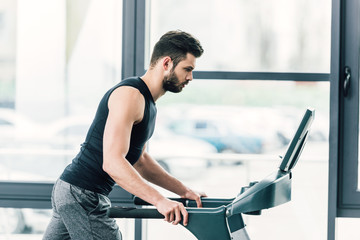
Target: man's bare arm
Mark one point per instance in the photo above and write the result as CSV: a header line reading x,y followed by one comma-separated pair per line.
x,y
154,173
126,107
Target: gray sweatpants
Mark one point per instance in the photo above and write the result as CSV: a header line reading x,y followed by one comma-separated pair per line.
x,y
80,214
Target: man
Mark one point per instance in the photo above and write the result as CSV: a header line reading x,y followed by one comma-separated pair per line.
x,y
115,149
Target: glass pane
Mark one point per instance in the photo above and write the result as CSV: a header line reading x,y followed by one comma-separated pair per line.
x,y
239,35
66,58
217,136
30,224
7,53
347,228
14,222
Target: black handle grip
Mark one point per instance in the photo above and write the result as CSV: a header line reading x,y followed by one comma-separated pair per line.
x,y
130,212
206,202
139,201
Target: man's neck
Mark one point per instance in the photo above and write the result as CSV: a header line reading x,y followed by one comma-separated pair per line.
x,y
153,80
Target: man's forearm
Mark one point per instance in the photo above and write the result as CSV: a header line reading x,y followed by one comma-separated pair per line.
x,y
154,173
128,178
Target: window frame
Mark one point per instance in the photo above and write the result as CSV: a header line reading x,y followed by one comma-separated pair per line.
x,y
349,193
344,195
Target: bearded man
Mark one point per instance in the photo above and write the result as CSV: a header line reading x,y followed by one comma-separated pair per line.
x,y
114,150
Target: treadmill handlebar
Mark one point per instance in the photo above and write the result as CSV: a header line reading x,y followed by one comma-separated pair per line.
x,y
206,202
140,202
151,212
131,212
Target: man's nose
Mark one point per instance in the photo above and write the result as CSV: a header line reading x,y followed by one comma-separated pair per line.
x,y
190,76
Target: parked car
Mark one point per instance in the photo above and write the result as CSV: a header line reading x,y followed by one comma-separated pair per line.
x,y
233,129
218,133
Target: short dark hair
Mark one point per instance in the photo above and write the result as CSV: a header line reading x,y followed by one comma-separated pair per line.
x,y
176,44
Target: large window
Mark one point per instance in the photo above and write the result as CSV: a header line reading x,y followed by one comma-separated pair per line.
x,y
57,58
66,58
237,105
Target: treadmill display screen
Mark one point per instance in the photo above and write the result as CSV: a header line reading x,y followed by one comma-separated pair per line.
x,y
297,143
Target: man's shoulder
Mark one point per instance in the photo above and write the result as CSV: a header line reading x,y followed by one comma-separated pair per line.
x,y
132,81
127,91
132,84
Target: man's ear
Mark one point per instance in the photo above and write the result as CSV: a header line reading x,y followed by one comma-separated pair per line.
x,y
167,63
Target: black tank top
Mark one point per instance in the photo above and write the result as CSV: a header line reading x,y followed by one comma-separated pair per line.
x,y
86,168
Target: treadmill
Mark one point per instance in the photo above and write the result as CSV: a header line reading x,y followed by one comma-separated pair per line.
x,y
221,219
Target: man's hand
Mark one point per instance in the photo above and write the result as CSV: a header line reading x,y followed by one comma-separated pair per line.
x,y
172,211
193,195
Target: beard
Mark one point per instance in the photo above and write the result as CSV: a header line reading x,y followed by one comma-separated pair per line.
x,y
171,83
